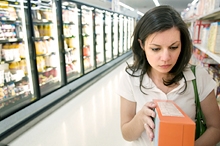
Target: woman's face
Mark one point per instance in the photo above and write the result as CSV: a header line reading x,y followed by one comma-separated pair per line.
x,y
162,49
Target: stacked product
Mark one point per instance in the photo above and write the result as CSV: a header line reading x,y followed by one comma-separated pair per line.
x,y
71,41
214,36
201,8
14,78
88,44
197,33
45,44
99,37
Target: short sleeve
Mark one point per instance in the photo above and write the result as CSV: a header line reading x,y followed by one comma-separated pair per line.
x,y
205,83
125,87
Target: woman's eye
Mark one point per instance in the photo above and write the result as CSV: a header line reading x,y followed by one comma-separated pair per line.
x,y
174,47
155,49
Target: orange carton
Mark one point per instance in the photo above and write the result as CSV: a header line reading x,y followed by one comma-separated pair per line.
x,y
172,126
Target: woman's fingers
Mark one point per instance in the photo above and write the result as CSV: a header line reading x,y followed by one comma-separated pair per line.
x,y
149,130
148,120
149,110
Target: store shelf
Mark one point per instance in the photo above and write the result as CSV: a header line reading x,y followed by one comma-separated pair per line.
x,y
10,40
214,56
212,15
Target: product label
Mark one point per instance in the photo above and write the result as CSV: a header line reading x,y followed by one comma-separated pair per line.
x,y
169,109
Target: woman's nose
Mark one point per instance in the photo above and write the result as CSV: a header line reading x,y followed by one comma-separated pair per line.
x,y
165,56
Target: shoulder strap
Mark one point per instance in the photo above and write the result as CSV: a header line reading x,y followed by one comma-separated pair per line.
x,y
197,101
195,86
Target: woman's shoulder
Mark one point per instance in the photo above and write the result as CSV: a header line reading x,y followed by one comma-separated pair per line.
x,y
200,72
133,76
198,69
133,72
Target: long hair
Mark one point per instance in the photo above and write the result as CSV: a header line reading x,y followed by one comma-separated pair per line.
x,y
160,19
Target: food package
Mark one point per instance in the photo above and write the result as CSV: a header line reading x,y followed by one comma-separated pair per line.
x,y
172,126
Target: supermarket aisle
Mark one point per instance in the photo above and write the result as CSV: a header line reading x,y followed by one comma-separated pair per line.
x,y
89,119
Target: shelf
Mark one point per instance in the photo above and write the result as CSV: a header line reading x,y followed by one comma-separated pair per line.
x,y
43,38
50,81
69,7
8,20
67,37
68,23
42,22
214,56
215,14
47,69
10,40
212,15
48,54
18,95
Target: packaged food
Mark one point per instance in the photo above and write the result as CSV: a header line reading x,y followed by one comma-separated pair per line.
x,y
172,126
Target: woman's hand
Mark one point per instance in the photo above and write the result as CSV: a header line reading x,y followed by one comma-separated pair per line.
x,y
134,124
147,114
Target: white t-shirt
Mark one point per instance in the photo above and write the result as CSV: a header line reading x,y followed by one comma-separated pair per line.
x,y
129,89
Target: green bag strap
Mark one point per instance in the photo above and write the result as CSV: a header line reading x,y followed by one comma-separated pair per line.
x,y
197,101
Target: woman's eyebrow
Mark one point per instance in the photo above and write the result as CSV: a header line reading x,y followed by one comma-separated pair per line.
x,y
170,45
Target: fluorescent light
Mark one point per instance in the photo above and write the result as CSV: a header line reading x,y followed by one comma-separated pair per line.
x,y
140,13
194,2
156,2
65,3
126,6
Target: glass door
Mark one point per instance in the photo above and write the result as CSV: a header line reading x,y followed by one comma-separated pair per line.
x,y
16,86
129,33
121,30
125,34
45,45
115,35
99,37
70,16
132,28
108,36
88,39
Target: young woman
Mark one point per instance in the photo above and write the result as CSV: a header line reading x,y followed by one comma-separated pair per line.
x,y
162,49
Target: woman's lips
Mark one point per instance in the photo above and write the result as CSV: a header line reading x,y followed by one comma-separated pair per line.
x,y
165,66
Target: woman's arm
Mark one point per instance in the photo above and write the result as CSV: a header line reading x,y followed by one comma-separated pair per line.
x,y
212,116
132,123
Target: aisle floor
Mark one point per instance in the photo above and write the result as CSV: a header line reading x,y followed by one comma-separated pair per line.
x,y
92,118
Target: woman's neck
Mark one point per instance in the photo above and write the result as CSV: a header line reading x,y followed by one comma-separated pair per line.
x,y
159,78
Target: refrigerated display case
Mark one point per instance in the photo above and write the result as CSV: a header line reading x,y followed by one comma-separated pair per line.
x,y
125,34
35,80
88,38
115,35
99,37
70,18
108,36
16,86
46,52
120,31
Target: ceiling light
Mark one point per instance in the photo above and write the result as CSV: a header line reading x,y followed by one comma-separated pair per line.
x,y
126,6
156,2
140,13
194,2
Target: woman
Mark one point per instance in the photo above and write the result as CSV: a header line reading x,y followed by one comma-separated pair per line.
x,y
162,49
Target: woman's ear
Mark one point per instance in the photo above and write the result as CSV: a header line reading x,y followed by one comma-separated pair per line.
x,y
141,44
